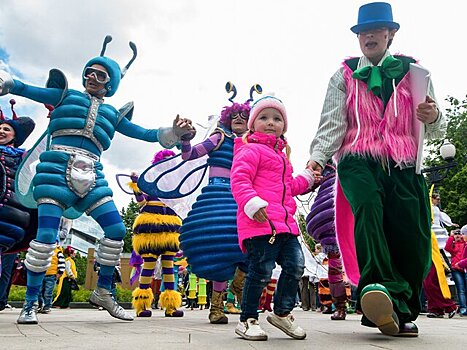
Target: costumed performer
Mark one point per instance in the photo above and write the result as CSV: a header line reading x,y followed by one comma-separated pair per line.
x,y
69,179
435,284
321,226
155,233
208,235
382,207
15,219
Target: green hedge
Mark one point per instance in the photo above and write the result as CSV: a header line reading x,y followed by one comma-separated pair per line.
x,y
17,293
81,265
123,295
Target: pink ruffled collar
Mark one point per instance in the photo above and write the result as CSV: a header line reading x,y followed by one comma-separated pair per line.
x,y
268,140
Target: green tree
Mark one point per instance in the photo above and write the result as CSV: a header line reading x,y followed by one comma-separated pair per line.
x,y
453,188
302,226
81,265
128,217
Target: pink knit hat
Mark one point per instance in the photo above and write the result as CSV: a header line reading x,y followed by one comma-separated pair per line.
x,y
267,102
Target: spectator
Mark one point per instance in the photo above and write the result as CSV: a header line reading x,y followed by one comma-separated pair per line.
x,y
306,284
456,245
63,298
54,272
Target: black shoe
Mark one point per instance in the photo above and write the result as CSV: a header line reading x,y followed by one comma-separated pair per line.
x,y
408,329
434,315
452,313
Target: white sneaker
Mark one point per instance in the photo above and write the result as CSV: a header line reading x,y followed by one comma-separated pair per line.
x,y
250,330
287,325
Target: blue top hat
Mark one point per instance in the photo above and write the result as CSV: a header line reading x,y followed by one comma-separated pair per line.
x,y
374,15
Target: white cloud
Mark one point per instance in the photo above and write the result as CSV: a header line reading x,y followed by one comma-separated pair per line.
x,y
188,50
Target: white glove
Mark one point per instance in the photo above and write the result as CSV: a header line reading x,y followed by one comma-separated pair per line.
x,y
6,83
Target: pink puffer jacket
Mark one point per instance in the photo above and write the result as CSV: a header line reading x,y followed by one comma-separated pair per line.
x,y
261,169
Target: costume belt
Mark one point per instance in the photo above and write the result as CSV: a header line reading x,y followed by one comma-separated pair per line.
x,y
216,180
75,151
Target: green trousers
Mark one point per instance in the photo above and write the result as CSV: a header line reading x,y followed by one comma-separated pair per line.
x,y
392,228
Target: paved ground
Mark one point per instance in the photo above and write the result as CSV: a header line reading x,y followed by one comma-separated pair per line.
x,y
92,329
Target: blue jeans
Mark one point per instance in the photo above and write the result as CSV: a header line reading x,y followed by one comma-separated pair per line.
x,y
262,257
47,290
460,279
8,262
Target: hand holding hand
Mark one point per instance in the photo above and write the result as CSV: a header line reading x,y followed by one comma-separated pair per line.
x,y
313,176
183,128
312,165
427,111
261,215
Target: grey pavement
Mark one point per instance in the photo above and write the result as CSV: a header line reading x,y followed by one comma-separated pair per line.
x,y
93,329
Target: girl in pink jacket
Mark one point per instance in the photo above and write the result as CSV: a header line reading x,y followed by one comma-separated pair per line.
x,y
263,187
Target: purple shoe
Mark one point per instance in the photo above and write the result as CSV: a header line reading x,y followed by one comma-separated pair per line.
x,y
176,313
145,313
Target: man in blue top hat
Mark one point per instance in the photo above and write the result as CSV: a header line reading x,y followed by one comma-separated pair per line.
x,y
382,204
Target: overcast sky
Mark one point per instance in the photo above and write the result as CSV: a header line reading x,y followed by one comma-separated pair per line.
x,y
188,50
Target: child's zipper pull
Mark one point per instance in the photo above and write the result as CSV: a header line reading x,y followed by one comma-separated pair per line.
x,y
273,237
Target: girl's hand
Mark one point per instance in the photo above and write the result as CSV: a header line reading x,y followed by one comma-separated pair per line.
x,y
317,176
261,215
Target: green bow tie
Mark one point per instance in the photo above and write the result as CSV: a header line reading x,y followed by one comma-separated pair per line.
x,y
391,68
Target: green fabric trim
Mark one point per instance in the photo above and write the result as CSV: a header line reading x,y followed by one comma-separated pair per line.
x,y
381,85
391,68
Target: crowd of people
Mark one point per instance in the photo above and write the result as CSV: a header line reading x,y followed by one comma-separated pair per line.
x,y
240,237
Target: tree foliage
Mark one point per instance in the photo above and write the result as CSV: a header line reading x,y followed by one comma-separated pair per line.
x,y
302,226
128,216
453,188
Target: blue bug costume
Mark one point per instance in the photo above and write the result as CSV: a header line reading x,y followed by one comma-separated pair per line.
x,y
208,236
69,178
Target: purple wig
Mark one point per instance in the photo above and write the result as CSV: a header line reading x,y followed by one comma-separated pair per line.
x,y
235,108
165,153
